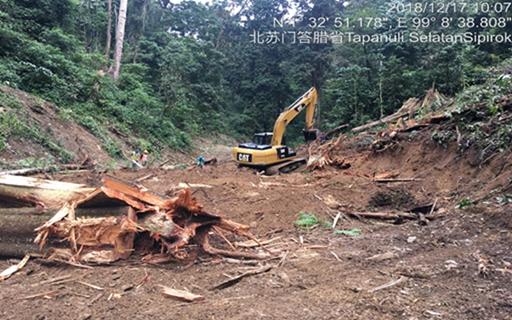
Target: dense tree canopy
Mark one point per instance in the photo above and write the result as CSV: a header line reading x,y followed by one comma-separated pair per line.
x,y
190,68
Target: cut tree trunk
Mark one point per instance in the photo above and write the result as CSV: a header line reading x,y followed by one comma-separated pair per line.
x,y
38,192
384,120
33,171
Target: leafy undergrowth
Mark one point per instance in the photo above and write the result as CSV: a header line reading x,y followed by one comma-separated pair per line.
x,y
307,220
12,126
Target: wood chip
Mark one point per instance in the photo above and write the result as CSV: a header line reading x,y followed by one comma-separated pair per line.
x,y
335,222
96,298
232,281
388,285
46,295
382,256
252,243
7,273
95,287
181,294
56,279
335,256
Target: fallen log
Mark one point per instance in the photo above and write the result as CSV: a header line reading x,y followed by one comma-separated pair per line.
x,y
384,120
212,161
33,171
27,212
414,127
16,190
17,248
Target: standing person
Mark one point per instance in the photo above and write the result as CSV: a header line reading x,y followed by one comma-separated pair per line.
x,y
144,158
135,156
200,161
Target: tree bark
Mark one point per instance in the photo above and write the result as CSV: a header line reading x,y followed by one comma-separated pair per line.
x,y
109,31
118,53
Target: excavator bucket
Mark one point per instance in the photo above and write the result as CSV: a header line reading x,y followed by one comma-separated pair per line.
x,y
310,135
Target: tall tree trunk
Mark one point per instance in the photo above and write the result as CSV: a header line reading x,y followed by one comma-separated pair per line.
x,y
109,31
144,15
118,53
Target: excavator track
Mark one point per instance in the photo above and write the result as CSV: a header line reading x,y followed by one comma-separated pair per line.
x,y
286,167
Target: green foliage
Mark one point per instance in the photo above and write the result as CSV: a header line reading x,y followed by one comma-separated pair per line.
x,y
306,220
355,232
465,203
36,163
9,101
11,125
443,137
65,114
109,145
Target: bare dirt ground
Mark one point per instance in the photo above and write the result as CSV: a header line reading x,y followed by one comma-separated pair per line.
x,y
456,267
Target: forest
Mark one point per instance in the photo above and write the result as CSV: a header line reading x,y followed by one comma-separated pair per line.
x,y
190,68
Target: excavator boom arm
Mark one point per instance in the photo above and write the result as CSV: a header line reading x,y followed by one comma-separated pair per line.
x,y
307,101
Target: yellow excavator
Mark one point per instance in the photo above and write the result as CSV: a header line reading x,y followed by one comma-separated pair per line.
x,y
267,151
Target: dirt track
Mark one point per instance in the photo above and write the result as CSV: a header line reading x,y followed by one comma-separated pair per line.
x,y
448,266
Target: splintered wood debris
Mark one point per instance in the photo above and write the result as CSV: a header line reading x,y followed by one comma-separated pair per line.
x,y
321,156
181,294
165,226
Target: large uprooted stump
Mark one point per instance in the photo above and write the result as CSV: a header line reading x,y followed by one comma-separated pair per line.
x,y
169,225
321,156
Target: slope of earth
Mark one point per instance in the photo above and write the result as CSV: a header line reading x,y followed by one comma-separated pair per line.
x,y
36,133
458,266
34,129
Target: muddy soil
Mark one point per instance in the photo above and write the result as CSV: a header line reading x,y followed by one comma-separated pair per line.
x,y
455,267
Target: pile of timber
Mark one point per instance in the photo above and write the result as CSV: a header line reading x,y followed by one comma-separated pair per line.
x,y
430,105
430,108
102,225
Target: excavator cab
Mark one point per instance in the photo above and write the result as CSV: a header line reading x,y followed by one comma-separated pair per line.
x,y
264,138
261,141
